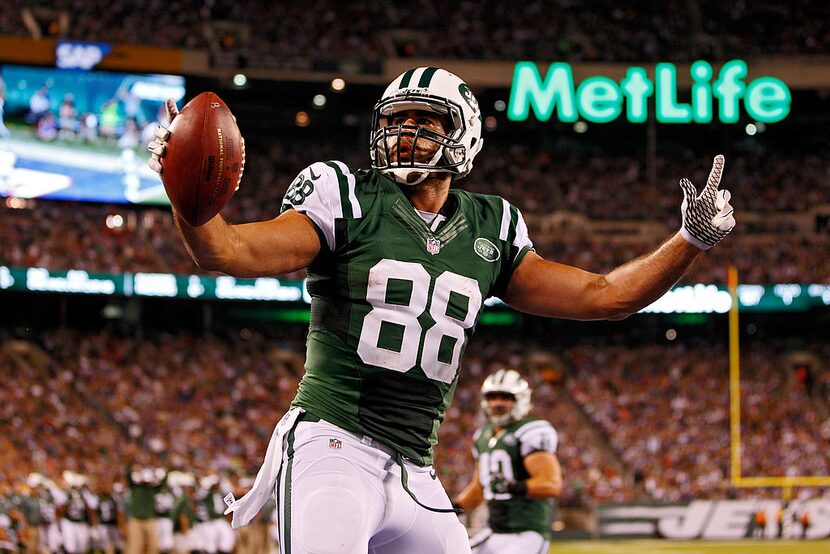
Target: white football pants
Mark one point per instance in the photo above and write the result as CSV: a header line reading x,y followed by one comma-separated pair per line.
x,y
526,542
340,493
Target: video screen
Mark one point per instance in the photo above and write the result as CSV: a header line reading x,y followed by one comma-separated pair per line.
x,y
81,135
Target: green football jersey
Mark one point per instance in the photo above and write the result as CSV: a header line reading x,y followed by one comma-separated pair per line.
x,y
501,456
163,502
395,300
9,527
184,505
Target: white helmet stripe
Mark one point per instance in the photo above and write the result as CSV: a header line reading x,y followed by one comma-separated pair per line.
x,y
406,78
434,90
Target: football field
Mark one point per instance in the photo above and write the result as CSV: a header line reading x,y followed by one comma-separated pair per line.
x,y
690,547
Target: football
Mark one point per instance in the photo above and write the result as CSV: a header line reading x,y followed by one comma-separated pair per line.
x,y
204,160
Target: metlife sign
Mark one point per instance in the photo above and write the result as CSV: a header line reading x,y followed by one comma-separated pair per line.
x,y
598,99
80,55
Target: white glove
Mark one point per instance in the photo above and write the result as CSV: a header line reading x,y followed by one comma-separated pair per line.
x,y
707,217
158,146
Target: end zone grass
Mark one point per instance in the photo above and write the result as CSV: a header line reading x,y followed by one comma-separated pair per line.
x,y
691,547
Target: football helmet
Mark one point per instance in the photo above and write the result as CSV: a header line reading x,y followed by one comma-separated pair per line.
x,y
506,381
433,90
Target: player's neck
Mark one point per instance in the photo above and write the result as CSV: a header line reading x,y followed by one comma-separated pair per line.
x,y
430,195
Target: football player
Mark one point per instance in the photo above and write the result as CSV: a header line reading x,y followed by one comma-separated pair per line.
x,y
144,483
78,514
517,472
214,532
163,503
106,536
399,265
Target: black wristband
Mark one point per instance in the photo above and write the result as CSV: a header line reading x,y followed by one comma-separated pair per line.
x,y
518,488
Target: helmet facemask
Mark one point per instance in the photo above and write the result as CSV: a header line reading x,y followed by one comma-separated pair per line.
x,y
500,419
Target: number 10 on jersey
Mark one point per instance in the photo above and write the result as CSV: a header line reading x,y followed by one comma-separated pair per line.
x,y
403,316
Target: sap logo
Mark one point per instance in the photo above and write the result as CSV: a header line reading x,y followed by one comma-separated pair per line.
x,y
80,55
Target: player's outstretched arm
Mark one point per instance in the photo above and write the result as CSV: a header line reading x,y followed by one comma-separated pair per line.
x,y
284,244
266,248
547,288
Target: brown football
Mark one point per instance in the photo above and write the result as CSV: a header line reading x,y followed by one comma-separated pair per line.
x,y
205,156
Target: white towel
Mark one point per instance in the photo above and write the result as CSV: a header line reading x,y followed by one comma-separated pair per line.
x,y
249,505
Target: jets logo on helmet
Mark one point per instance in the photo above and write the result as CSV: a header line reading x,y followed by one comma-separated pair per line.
x,y
467,94
506,381
434,90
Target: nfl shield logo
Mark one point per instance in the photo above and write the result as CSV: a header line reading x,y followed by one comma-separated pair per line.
x,y
335,444
433,245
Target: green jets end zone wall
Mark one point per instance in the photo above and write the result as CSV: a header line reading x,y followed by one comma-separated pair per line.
x,y
599,99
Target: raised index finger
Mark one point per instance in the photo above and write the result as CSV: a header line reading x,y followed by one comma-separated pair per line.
x,y
172,109
717,170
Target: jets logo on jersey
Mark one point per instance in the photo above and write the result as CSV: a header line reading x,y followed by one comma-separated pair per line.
x,y
486,249
433,245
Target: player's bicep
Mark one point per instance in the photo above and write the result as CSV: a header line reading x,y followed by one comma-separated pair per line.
x,y
543,465
541,287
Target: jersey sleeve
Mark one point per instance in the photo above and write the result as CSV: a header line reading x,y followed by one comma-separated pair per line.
x,y
474,447
91,500
537,436
515,244
325,192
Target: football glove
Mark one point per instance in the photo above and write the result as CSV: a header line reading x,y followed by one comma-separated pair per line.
x,y
499,485
707,217
158,146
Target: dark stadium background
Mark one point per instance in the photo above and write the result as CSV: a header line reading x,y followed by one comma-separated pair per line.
x,y
607,386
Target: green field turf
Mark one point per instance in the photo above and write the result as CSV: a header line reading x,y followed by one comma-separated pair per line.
x,y
693,547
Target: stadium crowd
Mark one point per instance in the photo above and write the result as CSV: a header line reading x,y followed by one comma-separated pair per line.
x,y
645,422
90,404
58,235
61,237
665,411
574,30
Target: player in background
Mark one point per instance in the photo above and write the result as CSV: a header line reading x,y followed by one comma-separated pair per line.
x,y
13,524
183,515
49,532
214,531
163,503
107,537
27,501
399,267
78,515
143,484
517,471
